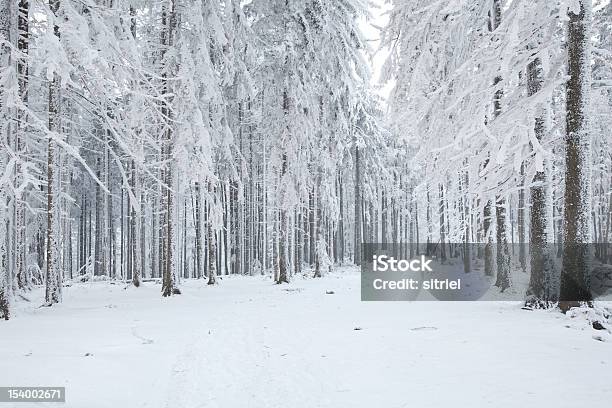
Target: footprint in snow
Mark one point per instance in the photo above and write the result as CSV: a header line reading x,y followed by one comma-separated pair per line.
x,y
143,339
424,328
293,290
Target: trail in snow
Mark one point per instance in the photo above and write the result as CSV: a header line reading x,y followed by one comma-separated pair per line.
x,y
250,343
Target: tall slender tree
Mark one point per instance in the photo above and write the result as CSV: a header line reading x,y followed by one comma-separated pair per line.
x,y
577,233
53,292
5,62
540,292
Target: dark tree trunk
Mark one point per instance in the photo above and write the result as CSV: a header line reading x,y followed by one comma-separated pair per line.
x,y
198,231
98,256
282,237
575,276
54,280
134,239
23,43
358,208
503,255
167,254
521,220
540,292
442,226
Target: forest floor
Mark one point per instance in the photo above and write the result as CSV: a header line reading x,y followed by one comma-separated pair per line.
x,y
250,343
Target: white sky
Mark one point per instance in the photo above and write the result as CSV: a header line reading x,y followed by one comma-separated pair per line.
x,y
372,37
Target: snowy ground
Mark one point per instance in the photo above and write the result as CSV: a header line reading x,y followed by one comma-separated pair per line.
x,y
249,343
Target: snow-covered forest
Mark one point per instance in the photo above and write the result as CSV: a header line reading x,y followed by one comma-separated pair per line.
x,y
513,102
193,139
189,188
182,139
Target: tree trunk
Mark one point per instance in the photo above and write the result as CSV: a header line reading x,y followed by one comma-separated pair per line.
x,y
212,241
575,276
98,246
540,293
317,231
283,238
167,39
283,233
442,226
53,292
384,217
312,236
341,243
521,216
488,239
429,222
467,245
198,231
110,233
142,241
154,237
23,34
5,13
503,255
358,216
134,239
